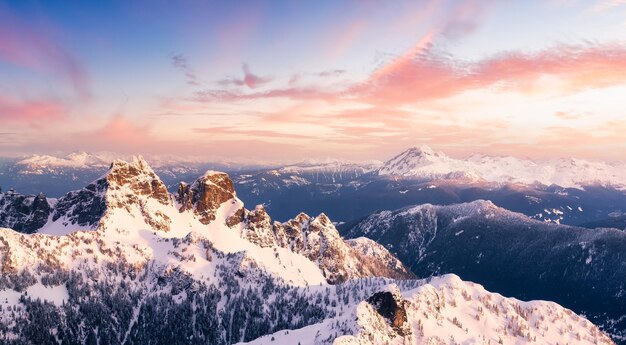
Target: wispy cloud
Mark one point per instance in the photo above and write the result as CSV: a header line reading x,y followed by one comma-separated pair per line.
x,y
251,132
423,73
30,111
180,62
248,79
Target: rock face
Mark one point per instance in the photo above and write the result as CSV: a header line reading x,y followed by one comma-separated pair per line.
x,y
83,207
389,304
23,213
206,195
258,227
139,178
386,264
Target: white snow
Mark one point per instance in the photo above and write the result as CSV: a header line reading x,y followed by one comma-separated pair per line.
x,y
424,163
53,294
447,310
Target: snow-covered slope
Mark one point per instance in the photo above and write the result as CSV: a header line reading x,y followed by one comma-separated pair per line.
x,y
424,163
335,169
445,310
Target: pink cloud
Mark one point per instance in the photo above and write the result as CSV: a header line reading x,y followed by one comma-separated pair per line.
x,y
23,46
578,67
33,112
252,132
423,74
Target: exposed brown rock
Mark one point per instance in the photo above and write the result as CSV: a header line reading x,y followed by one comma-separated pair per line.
x,y
236,218
391,307
139,177
208,193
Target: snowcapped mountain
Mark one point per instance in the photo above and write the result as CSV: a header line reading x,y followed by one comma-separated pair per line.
x,y
579,268
424,163
444,310
346,191
41,164
567,191
131,195
124,261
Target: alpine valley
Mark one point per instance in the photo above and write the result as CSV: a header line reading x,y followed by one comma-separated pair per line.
x,y
125,261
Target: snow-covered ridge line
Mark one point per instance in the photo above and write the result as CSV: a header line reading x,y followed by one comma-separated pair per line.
x,y
130,197
425,163
445,310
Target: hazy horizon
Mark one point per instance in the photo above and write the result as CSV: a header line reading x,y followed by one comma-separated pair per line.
x,y
243,161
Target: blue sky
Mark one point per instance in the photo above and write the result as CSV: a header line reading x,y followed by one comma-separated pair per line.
x,y
283,80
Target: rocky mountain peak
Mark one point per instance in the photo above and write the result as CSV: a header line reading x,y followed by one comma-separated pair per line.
x,y
422,150
302,218
137,176
322,220
206,195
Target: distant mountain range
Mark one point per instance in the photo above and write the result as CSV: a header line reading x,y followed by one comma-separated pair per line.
x,y
567,191
124,261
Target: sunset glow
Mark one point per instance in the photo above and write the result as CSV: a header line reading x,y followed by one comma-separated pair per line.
x,y
279,81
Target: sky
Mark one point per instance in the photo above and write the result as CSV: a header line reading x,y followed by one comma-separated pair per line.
x,y
291,80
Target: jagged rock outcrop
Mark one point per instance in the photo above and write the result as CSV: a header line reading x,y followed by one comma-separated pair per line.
x,y
259,228
317,239
184,197
23,213
138,177
206,195
390,305
384,263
